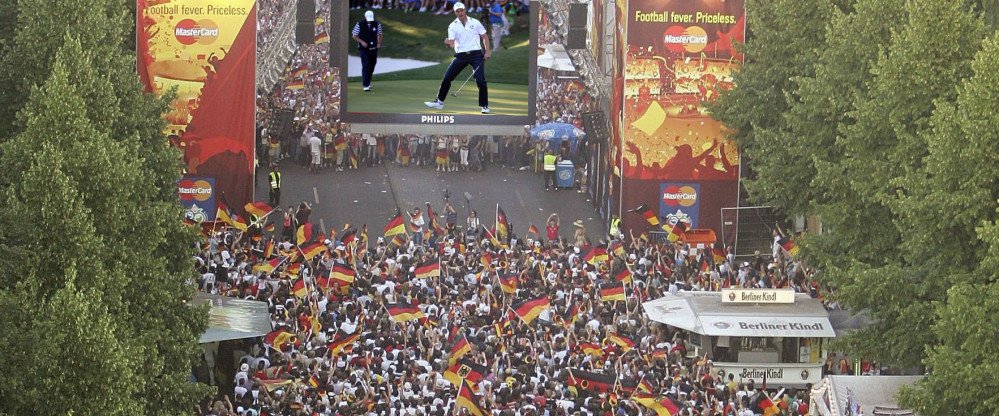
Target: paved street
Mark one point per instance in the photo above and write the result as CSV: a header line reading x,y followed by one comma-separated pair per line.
x,y
372,195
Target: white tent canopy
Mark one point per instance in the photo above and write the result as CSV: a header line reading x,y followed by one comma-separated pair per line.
x,y
556,58
838,395
704,313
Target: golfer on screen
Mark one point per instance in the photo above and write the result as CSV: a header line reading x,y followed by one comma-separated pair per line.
x,y
464,34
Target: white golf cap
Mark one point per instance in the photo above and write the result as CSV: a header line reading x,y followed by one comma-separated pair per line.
x,y
369,16
459,5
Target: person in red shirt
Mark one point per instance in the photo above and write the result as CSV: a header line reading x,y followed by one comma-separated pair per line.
x,y
551,228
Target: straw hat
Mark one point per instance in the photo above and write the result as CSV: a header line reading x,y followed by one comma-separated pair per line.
x,y
578,223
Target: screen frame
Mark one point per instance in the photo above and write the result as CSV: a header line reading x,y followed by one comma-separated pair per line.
x,y
340,45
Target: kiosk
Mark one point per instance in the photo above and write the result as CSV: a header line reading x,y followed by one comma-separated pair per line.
x,y
752,333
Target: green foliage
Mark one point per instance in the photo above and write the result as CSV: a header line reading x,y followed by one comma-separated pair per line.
x,y
785,40
889,138
96,260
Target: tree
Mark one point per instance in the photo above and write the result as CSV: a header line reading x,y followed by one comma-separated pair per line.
x,y
964,141
785,39
89,229
104,29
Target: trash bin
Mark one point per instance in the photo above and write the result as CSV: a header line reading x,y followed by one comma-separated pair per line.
x,y
565,174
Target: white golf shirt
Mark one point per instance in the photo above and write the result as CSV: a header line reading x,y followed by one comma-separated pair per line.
x,y
466,36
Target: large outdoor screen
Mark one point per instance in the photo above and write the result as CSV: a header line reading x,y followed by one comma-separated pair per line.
x,y
413,59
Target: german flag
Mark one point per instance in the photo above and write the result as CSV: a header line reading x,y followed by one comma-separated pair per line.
x,y
341,341
705,267
322,38
435,223
466,398
314,249
313,381
304,234
533,230
269,227
268,266
398,240
662,406
269,249
343,273
570,315
623,276
645,386
590,348
467,371
458,350
401,312
617,248
239,223
611,292
529,310
293,269
789,246
596,254
395,226
677,232
354,159
595,382
278,337
718,255
502,224
349,237
503,327
487,259
300,71
299,289
259,209
430,269
296,85
659,354
646,212
622,341
508,282
273,384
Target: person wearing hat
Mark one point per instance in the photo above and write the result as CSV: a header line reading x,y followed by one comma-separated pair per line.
x,y
368,35
580,234
467,36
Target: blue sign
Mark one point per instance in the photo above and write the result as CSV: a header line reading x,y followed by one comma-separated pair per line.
x,y
680,201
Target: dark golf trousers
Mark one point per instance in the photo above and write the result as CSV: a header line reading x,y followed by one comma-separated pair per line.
x,y
474,58
369,57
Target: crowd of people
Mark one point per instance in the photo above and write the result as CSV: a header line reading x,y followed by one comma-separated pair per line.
x,y
433,315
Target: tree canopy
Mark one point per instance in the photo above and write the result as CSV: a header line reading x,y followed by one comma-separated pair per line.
x,y
887,136
97,262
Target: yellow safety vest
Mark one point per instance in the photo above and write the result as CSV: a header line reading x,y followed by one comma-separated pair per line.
x,y
549,163
275,179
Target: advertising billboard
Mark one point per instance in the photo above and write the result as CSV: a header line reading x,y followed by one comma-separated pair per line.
x,y
676,57
205,52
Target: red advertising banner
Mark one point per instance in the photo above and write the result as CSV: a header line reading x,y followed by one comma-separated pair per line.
x,y
206,50
677,56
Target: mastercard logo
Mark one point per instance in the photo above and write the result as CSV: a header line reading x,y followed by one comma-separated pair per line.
x,y
683,196
679,39
191,190
189,31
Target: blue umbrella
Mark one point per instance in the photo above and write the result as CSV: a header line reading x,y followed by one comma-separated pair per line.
x,y
556,133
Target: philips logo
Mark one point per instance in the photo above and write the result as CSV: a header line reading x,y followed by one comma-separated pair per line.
x,y
437,119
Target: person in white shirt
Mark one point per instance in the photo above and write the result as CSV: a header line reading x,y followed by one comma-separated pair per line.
x,y
467,36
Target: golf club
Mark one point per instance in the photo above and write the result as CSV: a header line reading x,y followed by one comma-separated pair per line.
x,y
455,94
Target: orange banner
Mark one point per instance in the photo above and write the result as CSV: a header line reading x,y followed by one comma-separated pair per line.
x,y
205,50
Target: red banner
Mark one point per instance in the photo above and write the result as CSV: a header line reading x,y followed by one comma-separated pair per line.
x,y
677,55
206,50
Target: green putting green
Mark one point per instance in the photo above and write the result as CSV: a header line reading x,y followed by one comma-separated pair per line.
x,y
407,97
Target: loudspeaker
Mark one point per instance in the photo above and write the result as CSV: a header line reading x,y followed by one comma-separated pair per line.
x,y
595,125
281,123
578,15
576,38
305,33
306,11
